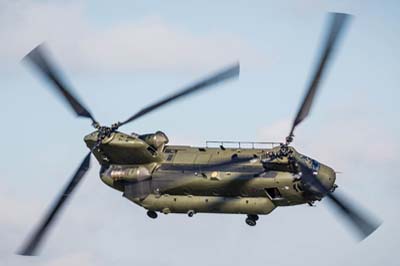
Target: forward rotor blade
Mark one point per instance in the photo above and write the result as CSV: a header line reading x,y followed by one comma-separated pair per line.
x,y
363,225
39,58
30,247
337,25
228,73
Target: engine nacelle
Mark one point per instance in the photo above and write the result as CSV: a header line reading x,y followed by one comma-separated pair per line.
x,y
126,173
156,140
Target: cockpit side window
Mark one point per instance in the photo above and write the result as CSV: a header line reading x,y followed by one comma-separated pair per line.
x,y
315,165
311,163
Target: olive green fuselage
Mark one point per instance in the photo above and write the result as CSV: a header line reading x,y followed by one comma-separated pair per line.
x,y
182,179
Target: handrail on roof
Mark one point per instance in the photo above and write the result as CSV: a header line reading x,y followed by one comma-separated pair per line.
x,y
240,144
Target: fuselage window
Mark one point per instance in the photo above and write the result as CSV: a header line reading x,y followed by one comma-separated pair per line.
x,y
273,193
152,150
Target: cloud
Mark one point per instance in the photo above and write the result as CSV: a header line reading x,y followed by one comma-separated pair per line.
x,y
342,140
148,43
81,259
19,216
275,132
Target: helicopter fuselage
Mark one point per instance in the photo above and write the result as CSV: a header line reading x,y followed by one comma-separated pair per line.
x,y
184,179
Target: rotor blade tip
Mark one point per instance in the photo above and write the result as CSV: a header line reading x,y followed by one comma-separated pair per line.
x,y
26,253
27,250
340,17
340,14
38,49
370,230
234,70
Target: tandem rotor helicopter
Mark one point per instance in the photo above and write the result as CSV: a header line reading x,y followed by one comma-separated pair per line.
x,y
182,179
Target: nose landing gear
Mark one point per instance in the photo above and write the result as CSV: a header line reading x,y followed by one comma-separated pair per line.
x,y
252,219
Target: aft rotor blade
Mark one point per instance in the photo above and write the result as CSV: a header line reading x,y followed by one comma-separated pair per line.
x,y
363,225
31,246
337,25
39,58
223,75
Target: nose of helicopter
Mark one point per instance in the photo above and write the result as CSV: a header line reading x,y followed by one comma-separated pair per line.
x,y
327,176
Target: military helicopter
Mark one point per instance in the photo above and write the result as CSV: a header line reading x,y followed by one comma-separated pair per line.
x,y
164,178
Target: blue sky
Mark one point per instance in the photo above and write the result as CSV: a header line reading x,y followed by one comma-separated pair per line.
x,y
122,56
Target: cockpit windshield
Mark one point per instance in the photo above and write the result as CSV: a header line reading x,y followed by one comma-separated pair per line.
x,y
313,164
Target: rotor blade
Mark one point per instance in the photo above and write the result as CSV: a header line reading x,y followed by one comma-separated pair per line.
x,y
363,225
39,58
228,73
30,247
337,25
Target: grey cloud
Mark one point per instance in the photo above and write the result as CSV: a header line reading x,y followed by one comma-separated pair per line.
x,y
146,44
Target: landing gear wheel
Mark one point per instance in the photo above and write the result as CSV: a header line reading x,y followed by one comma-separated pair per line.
x,y
152,214
253,217
250,222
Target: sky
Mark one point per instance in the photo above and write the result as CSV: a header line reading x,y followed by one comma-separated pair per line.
x,y
120,56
